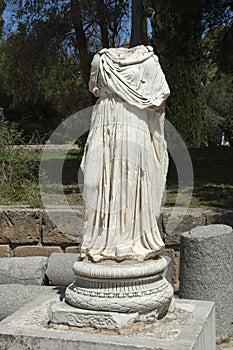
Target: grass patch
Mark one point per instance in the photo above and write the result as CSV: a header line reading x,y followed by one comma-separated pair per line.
x,y
213,179
19,181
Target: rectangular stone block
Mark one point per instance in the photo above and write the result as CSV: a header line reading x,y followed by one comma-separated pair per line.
x,y
190,327
219,216
36,251
62,226
14,296
73,250
62,313
19,226
29,270
4,251
180,223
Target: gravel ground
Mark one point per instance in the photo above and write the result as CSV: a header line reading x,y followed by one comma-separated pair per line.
x,y
227,345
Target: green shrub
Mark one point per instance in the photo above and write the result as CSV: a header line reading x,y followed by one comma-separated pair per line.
x,y
18,168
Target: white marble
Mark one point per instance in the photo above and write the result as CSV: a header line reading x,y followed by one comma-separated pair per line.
x,y
125,287
125,166
62,313
125,160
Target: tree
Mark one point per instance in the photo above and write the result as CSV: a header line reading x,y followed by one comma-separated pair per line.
x,y
76,18
102,15
41,85
45,63
216,13
178,30
176,38
227,129
2,8
219,101
139,24
85,29
217,19
217,68
52,43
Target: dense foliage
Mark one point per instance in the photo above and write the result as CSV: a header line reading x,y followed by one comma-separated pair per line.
x,y
46,48
180,24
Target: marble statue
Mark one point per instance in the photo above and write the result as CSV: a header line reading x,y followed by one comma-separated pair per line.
x,y
125,160
120,274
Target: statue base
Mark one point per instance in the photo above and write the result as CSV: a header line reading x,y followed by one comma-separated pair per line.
x,y
190,326
62,313
127,287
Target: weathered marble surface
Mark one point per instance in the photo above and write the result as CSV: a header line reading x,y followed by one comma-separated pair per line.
x,y
123,287
125,160
125,165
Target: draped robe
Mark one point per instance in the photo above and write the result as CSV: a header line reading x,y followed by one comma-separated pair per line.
x,y
125,158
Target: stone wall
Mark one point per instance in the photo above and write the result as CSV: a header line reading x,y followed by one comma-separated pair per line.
x,y
31,232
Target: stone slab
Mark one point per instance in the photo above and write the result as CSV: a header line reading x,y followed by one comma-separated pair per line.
x,y
62,225
53,235
219,216
63,313
73,249
17,226
30,270
53,225
5,251
25,251
190,327
60,269
191,219
14,296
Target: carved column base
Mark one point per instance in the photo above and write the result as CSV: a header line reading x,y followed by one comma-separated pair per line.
x,y
127,287
62,313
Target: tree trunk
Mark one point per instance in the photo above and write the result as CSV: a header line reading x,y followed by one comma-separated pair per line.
x,y
102,20
84,56
138,21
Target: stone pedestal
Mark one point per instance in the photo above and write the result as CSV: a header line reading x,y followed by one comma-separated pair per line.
x,y
64,314
111,295
189,327
127,287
